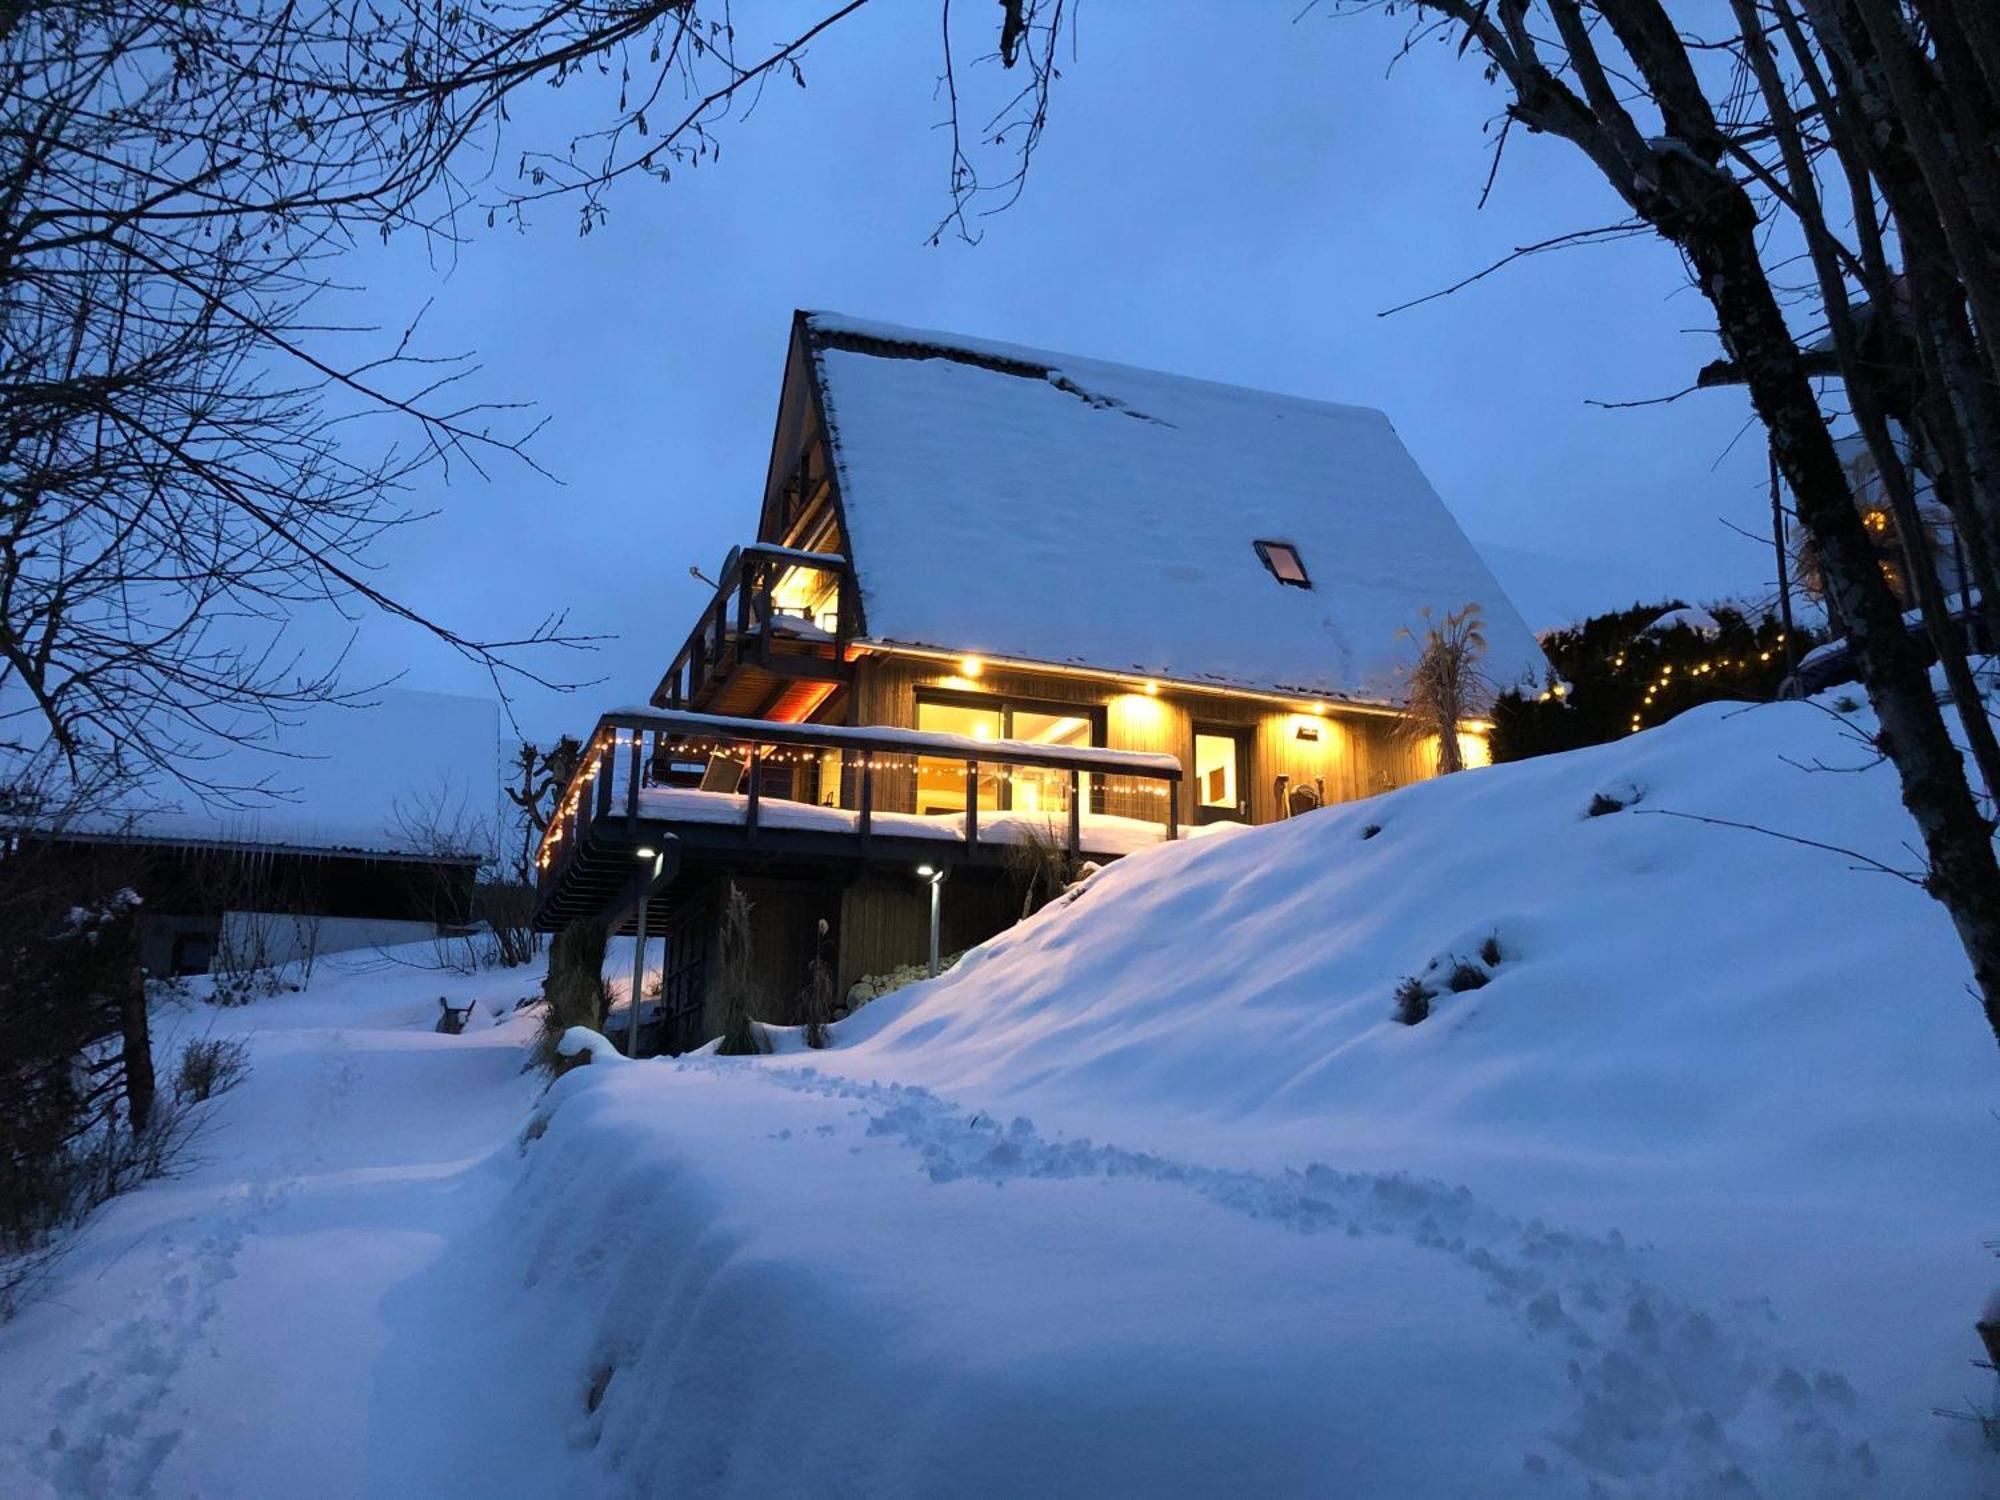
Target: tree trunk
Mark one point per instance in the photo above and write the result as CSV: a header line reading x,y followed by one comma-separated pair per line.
x,y
1964,876
136,1045
1694,202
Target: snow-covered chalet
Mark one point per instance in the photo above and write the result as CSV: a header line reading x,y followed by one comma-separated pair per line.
x,y
998,594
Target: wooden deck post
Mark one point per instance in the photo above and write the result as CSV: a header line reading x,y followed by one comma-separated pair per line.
x,y
1173,809
632,776
755,791
867,799
639,968
971,805
1075,814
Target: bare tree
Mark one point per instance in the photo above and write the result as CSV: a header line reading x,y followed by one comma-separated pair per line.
x,y
183,451
544,774
437,823
182,454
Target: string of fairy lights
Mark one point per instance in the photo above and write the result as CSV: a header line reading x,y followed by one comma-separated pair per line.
x,y
1711,668
604,749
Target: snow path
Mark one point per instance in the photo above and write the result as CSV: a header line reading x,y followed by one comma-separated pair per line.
x,y
1662,1387
105,1433
219,1334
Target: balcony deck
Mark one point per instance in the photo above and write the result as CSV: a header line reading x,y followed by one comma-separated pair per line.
x,y
632,791
750,652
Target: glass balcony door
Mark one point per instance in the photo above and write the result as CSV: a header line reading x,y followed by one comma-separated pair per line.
x,y
941,782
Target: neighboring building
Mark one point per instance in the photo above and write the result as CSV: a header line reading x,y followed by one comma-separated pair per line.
x,y
235,905
992,590
370,834
1938,531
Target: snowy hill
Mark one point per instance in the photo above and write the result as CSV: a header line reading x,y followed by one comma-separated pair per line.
x,y
1722,1117
1150,1195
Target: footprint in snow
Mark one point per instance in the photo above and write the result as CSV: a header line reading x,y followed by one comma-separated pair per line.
x,y
1665,1392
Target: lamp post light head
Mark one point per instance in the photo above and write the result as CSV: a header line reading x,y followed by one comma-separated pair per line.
x,y
642,852
926,872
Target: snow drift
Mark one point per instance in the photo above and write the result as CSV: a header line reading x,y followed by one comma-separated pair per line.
x,y
1151,1194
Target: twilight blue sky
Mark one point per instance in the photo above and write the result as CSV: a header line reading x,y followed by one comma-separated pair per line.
x,y
1235,201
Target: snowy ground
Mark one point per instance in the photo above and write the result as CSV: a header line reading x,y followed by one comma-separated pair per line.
x,y
230,1333
1147,1196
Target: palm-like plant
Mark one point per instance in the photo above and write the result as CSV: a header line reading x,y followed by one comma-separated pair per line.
x,y
1446,686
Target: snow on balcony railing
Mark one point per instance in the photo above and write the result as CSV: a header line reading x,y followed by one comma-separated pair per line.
x,y
1101,833
668,764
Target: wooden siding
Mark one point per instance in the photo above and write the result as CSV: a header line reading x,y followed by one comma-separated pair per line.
x,y
877,922
784,917
885,920
1355,755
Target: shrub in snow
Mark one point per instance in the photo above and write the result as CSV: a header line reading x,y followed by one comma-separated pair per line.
x,y
816,995
1602,803
78,1113
734,1023
1040,865
1413,1000
1490,953
209,1066
875,986
1463,976
574,993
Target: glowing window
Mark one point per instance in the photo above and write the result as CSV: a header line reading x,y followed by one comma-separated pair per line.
x,y
941,782
1216,770
1282,558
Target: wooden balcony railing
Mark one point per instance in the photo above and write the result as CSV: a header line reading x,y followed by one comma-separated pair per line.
x,y
745,623
772,785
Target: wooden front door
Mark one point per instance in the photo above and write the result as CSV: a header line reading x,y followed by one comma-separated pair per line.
x,y
1221,774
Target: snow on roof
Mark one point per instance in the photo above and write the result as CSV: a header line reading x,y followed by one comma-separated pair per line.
x,y
1040,506
341,778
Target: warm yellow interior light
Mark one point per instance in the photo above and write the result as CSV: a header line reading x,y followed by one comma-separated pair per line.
x,y
970,666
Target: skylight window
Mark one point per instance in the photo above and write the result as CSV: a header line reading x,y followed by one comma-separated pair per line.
x,y
1282,558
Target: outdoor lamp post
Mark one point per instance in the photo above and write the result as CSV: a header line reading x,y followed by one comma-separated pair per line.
x,y
936,879
639,948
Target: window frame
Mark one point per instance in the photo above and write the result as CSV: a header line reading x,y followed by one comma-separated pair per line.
x,y
1007,705
1245,738
1267,546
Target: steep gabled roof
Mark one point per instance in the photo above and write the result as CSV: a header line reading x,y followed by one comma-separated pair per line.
x,y
1018,503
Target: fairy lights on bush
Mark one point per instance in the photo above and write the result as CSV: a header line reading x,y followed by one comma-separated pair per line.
x,y
1620,673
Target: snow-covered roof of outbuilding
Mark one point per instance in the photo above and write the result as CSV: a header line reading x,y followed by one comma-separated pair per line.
x,y
406,774
1024,504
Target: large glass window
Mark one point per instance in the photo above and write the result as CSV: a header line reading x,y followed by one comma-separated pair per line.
x,y
1031,788
941,781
